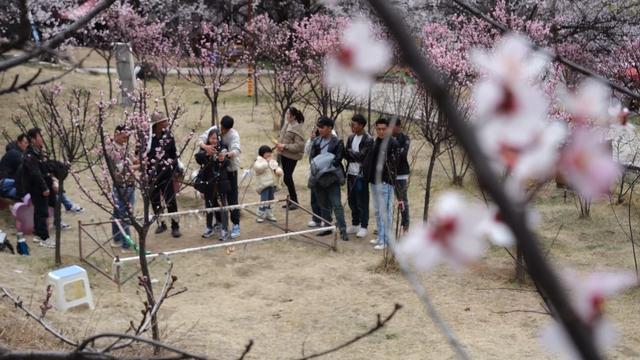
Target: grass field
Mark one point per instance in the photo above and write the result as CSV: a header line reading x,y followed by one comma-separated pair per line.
x,y
293,295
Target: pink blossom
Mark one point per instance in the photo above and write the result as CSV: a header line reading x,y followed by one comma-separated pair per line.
x,y
452,234
512,60
588,295
587,164
358,58
589,105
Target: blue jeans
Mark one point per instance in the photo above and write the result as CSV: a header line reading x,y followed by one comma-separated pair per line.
x,y
383,203
8,188
124,197
329,201
315,207
68,204
266,194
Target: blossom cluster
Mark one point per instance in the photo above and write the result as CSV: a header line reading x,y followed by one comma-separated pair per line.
x,y
528,137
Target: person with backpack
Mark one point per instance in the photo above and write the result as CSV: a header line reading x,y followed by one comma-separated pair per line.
x,y
267,173
213,182
327,174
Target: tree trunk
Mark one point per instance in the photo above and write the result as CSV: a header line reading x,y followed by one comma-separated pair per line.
x,y
109,79
144,269
163,80
427,191
213,106
520,268
57,220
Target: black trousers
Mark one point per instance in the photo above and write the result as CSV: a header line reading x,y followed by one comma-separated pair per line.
x,y
232,196
212,198
288,166
41,213
358,196
165,189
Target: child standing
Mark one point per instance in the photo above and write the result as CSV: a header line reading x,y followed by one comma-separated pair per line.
x,y
213,182
267,173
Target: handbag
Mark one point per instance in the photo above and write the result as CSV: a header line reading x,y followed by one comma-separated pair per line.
x,y
200,183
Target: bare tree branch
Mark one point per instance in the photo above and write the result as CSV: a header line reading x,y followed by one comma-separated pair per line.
x,y
514,214
58,38
561,59
55,332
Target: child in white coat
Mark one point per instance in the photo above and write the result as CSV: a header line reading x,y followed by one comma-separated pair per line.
x,y
267,172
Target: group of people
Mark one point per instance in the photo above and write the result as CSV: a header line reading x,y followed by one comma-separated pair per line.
x,y
379,164
367,164
25,169
217,180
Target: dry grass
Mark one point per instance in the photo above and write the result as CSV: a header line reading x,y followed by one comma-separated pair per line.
x,y
290,294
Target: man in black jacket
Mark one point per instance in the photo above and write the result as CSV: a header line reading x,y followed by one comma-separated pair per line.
x,y
9,165
383,182
328,177
402,178
359,144
162,162
33,177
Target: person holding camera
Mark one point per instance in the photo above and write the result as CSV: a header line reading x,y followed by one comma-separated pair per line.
x,y
213,182
231,139
267,173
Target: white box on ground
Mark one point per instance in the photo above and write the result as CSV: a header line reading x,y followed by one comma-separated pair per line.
x,y
70,288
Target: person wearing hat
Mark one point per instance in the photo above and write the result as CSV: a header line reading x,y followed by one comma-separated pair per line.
x,y
327,174
162,162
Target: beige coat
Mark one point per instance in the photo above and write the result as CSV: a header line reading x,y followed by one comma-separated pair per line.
x,y
292,137
266,172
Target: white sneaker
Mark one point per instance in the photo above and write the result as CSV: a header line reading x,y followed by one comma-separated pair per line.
x,y
76,209
362,233
373,241
353,229
380,247
65,226
208,232
49,243
37,240
270,216
313,224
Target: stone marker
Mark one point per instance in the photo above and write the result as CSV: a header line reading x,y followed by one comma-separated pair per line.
x,y
126,74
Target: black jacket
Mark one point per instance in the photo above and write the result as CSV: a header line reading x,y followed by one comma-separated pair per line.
x,y
162,169
336,147
389,167
364,147
404,142
33,174
10,161
214,172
